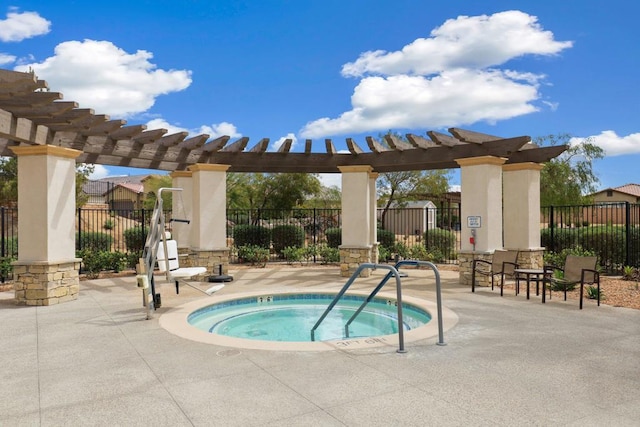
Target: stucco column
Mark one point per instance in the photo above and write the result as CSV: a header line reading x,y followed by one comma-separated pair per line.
x,y
481,210
521,198
356,218
182,205
47,269
373,204
208,236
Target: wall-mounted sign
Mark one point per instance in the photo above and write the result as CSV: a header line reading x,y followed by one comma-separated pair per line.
x,y
474,221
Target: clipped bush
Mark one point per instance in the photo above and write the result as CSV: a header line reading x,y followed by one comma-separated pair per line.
x,y
6,269
442,240
384,254
11,247
134,238
251,235
334,237
284,236
329,255
386,238
253,254
94,241
292,254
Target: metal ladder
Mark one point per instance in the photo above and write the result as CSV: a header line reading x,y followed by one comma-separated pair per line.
x,y
393,272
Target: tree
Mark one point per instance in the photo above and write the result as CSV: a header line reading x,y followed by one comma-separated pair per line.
x,y
283,191
569,178
401,187
152,185
9,181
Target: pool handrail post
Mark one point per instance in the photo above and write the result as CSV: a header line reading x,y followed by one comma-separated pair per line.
x,y
438,293
353,277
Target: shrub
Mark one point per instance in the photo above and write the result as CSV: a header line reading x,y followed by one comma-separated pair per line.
x,y
11,247
251,235
419,252
93,262
558,259
292,254
443,240
6,269
401,250
253,254
309,252
108,224
135,238
334,237
593,291
386,238
287,235
329,255
94,241
384,254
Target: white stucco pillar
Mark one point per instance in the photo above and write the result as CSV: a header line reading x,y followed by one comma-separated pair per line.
x,y
481,202
208,236
356,218
373,205
182,204
47,269
208,226
521,198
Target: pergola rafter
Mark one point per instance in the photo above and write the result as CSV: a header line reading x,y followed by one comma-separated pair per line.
x,y
30,115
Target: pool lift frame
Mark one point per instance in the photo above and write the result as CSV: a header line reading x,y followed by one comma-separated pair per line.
x,y
393,272
146,264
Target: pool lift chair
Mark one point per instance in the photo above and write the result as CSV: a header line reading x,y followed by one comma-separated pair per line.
x,y
157,244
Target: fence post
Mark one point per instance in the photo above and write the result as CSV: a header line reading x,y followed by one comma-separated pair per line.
x,y
2,251
627,232
315,235
552,222
79,240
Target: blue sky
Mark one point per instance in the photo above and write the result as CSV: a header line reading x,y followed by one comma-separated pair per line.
x,y
344,68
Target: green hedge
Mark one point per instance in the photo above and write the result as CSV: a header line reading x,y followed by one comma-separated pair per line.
x,y
11,247
135,238
251,235
284,236
334,237
386,238
442,240
94,241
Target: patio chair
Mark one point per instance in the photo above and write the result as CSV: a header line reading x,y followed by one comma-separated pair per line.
x,y
170,263
503,263
577,270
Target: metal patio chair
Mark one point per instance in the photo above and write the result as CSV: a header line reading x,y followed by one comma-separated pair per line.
x,y
503,263
577,270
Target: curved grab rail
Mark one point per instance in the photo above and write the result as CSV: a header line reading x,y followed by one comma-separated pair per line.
x,y
392,272
384,281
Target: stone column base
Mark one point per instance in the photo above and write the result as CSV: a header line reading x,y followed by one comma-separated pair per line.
x,y
351,257
531,258
211,259
46,283
465,266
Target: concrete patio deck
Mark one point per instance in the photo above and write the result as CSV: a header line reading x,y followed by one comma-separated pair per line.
x,y
508,361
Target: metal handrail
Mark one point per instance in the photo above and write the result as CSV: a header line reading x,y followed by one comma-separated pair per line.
x,y
392,272
387,277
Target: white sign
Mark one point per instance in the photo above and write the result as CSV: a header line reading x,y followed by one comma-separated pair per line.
x,y
474,221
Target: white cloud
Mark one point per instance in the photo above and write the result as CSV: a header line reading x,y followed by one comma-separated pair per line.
x,y
277,144
465,42
612,144
219,129
214,130
99,172
448,79
99,75
6,58
330,179
22,25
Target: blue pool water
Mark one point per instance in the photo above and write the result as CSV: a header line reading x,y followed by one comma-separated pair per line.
x,y
291,317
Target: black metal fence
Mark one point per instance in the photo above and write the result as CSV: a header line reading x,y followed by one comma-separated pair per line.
x,y
611,231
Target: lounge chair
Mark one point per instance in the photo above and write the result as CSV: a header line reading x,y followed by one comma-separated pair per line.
x,y
577,269
503,262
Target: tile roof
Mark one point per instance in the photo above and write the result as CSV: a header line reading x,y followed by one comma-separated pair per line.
x,y
632,189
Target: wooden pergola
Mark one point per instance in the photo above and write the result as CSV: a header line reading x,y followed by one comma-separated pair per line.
x,y
31,115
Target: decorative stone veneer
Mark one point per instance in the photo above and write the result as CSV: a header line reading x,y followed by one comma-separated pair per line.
x,y
352,257
211,259
527,258
531,258
45,283
465,265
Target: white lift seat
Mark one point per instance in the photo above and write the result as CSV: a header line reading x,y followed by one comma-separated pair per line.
x,y
175,271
